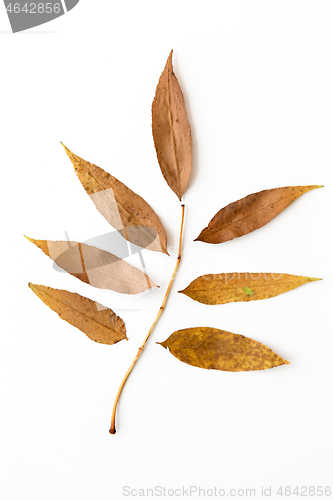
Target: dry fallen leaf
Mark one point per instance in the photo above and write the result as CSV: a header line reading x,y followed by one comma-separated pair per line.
x,y
215,349
135,220
236,287
250,213
97,322
95,267
125,210
171,131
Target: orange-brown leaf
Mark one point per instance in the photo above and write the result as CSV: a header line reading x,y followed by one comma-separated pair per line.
x,y
96,321
250,213
235,287
215,349
125,210
172,131
95,266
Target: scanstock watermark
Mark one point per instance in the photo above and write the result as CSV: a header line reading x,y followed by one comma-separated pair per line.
x,y
199,492
24,15
187,491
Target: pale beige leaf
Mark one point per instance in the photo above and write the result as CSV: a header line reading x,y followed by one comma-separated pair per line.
x,y
172,131
94,266
125,210
97,322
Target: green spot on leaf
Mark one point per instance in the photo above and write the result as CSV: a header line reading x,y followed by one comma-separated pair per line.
x,y
248,291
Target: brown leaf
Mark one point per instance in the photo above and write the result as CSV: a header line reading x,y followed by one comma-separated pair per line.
x,y
171,131
250,213
125,210
215,349
97,322
236,287
95,267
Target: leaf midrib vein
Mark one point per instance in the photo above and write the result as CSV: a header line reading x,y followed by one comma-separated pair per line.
x,y
122,206
214,349
100,267
240,286
119,277
172,132
250,215
85,315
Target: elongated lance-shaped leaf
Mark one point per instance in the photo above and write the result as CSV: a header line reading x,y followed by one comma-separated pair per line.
x,y
250,213
235,287
125,210
98,322
95,266
215,349
172,131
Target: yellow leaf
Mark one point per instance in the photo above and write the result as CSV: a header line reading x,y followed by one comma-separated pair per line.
x,y
235,287
215,349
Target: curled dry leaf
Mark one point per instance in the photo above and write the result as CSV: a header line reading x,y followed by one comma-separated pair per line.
x,y
235,287
125,210
215,349
96,321
171,131
250,213
95,267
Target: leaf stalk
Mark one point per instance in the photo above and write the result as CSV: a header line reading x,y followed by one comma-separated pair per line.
x,y
114,410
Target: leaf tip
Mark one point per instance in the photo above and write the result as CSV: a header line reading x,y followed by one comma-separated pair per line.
x,y
151,284
29,239
201,236
68,151
162,344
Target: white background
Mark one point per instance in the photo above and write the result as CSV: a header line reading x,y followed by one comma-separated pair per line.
x,y
257,80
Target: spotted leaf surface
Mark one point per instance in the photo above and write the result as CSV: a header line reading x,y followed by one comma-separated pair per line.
x,y
215,349
235,287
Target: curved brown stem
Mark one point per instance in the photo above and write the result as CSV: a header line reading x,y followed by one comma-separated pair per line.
x,y
113,417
